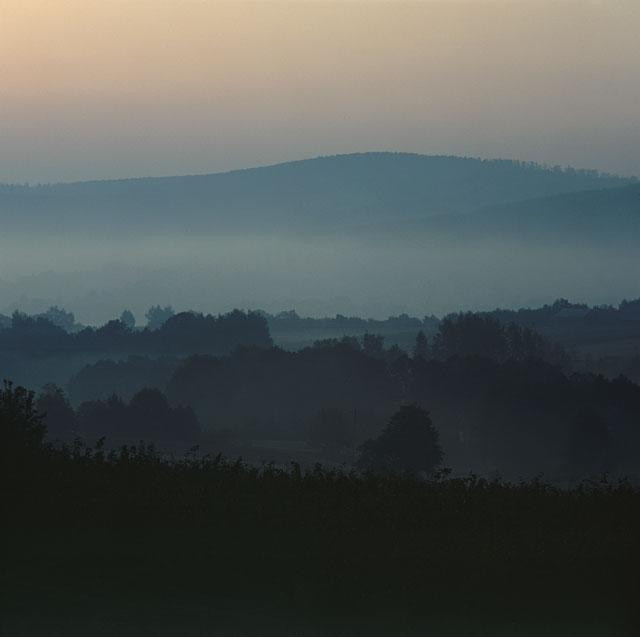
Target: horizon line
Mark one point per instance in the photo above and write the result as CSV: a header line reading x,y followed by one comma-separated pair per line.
x,y
534,164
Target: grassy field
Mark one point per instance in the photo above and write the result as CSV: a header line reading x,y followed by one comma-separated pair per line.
x,y
132,544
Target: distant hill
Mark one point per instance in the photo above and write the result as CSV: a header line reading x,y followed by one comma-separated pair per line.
x,y
322,193
592,215
601,216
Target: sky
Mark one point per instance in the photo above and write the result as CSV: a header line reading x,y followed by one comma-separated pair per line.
x,y
95,89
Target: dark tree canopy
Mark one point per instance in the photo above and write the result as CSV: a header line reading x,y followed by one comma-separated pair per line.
x,y
421,348
184,333
148,416
56,411
128,319
21,426
157,316
408,443
471,334
60,317
373,345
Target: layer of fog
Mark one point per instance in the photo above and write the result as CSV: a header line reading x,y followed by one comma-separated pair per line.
x,y
97,279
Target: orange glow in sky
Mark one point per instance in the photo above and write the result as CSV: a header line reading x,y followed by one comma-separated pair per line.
x,y
100,88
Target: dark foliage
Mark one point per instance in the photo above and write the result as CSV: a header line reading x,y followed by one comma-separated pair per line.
x,y
472,334
124,378
317,541
510,416
128,319
58,415
421,348
157,316
408,443
148,416
276,394
21,426
185,333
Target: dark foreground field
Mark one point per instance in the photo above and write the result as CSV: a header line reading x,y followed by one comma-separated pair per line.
x,y
130,544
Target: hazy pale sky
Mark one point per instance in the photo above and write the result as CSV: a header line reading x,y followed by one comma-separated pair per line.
x,y
119,88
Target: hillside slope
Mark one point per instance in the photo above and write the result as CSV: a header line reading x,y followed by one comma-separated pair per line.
x,y
596,216
322,193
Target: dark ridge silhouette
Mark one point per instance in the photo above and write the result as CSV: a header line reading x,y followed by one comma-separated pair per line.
x,y
305,195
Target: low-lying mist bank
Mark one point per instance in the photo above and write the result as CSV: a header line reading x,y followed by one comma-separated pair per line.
x,y
352,275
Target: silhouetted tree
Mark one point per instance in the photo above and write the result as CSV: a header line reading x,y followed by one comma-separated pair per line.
x,y
21,426
128,319
57,413
185,333
156,316
148,416
408,443
60,317
470,334
421,347
373,345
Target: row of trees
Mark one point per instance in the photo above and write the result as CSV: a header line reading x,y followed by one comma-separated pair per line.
x,y
184,333
156,316
147,416
500,395
516,417
464,334
472,334
408,443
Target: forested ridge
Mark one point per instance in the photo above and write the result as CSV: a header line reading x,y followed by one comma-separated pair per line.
x,y
304,195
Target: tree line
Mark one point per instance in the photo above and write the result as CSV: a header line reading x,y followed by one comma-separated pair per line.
x,y
183,333
503,399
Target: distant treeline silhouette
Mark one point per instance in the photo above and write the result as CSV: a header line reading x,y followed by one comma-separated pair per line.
x,y
590,335
184,333
503,399
566,321
147,416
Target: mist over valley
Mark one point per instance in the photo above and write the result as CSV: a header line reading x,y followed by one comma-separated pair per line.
x,y
368,235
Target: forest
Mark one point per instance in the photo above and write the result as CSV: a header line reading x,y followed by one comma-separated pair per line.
x,y
507,401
